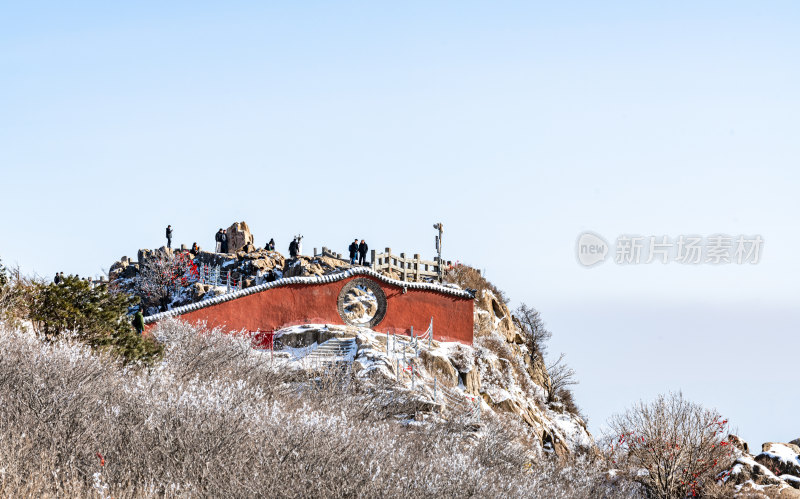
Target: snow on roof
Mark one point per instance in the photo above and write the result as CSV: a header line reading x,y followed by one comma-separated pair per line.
x,y
317,279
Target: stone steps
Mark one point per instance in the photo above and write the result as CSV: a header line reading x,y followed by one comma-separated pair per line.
x,y
335,350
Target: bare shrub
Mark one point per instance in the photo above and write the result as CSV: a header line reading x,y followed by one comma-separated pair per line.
x,y
462,359
16,295
216,418
514,360
470,278
483,324
568,399
671,446
561,377
530,322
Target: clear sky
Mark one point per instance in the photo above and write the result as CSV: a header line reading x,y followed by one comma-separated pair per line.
x,y
518,125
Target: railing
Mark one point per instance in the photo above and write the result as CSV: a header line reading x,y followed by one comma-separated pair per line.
x,y
326,252
467,404
215,276
408,269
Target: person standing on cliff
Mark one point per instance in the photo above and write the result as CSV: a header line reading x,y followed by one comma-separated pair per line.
x,y
224,239
362,253
293,248
353,251
218,239
270,245
169,237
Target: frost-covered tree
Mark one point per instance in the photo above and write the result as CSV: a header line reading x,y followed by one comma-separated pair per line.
x,y
672,446
529,320
160,276
561,377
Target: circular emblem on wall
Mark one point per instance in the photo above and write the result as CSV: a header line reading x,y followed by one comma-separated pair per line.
x,y
362,303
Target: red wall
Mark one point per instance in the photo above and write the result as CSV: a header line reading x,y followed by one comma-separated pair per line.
x,y
317,304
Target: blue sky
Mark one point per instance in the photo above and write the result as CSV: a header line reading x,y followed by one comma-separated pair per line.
x,y
517,125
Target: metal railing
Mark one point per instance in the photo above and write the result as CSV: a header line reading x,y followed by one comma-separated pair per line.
x,y
468,404
215,276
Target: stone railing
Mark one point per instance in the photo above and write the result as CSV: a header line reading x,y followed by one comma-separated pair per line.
x,y
331,254
407,269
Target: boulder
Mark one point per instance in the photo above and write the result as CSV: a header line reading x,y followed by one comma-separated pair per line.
x,y
296,268
332,264
145,254
537,370
745,470
791,480
739,443
308,266
118,268
781,459
489,302
130,271
239,236
213,259
472,382
198,290
440,367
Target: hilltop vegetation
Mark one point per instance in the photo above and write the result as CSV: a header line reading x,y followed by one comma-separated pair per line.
x,y
213,419
90,408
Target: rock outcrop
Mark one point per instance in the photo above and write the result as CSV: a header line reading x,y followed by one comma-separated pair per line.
x,y
238,236
775,472
451,380
781,459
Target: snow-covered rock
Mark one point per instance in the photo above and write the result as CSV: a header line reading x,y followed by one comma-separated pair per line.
x,y
773,472
452,380
784,459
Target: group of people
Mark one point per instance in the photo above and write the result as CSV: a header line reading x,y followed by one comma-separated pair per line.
x,y
358,251
59,278
221,238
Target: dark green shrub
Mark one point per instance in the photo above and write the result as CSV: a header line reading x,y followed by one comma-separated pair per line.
x,y
91,314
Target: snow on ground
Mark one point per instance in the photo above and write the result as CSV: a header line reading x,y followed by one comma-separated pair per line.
x,y
570,429
390,358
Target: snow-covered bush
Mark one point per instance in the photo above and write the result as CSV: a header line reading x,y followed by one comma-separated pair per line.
x,y
672,446
214,418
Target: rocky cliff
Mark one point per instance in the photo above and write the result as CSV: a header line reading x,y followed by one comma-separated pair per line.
x,y
774,472
500,369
